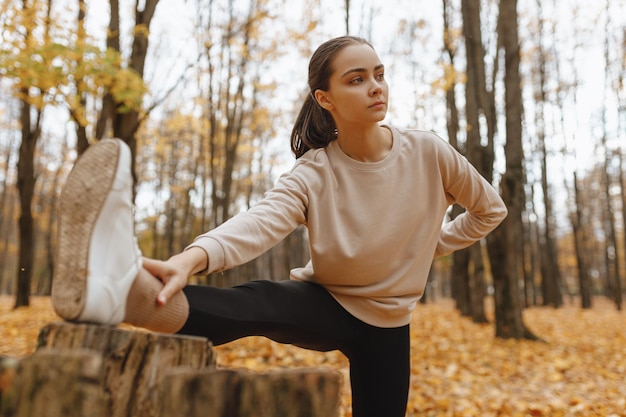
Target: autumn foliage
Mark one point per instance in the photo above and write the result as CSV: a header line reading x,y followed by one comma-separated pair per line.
x,y
459,368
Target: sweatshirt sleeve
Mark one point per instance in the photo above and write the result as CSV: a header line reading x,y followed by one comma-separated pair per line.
x,y
249,234
464,185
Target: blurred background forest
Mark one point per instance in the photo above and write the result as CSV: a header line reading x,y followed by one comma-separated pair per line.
x,y
531,91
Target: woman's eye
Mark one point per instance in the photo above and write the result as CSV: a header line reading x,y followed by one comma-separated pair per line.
x,y
356,80
381,76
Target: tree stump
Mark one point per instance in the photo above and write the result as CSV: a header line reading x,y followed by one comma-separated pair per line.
x,y
8,366
240,393
134,361
56,383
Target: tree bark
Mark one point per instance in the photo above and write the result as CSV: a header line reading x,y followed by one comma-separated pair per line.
x,y
82,143
57,383
134,361
622,185
477,100
125,124
26,185
8,369
580,246
477,284
612,248
550,274
504,242
7,207
460,259
283,393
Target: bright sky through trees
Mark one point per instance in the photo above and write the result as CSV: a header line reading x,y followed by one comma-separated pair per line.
x,y
173,32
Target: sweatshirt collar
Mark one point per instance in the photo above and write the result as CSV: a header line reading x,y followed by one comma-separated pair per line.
x,y
334,149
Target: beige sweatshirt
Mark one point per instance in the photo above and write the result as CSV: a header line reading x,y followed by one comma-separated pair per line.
x,y
373,228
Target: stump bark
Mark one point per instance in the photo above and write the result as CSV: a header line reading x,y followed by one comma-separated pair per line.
x,y
240,393
56,383
134,362
8,367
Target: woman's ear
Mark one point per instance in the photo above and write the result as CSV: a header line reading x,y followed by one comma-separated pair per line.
x,y
323,100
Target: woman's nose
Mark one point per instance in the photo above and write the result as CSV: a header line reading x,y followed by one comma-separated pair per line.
x,y
376,89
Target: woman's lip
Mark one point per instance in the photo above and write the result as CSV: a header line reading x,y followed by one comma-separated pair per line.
x,y
378,104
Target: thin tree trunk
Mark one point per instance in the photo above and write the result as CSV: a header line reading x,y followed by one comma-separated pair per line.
x,y
621,128
6,221
46,280
622,181
31,131
6,276
347,19
26,185
477,284
612,256
611,248
460,277
125,125
476,102
580,246
460,259
550,275
82,142
104,122
530,256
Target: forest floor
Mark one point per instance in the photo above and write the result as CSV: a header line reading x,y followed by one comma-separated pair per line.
x,y
458,368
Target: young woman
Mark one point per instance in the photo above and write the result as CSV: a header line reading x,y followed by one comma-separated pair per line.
x,y
373,198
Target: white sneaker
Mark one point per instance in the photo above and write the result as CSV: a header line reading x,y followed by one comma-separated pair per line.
x,y
97,256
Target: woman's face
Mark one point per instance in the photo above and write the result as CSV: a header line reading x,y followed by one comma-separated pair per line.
x,y
357,92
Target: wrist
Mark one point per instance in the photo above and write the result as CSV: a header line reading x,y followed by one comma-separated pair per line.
x,y
192,260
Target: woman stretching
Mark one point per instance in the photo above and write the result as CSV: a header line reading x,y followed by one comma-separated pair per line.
x,y
372,197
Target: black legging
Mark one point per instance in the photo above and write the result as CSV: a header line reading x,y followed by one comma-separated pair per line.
x,y
306,315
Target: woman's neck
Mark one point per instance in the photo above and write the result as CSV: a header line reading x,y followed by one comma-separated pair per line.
x,y
371,144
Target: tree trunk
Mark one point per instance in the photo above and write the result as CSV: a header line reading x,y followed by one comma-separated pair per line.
x,y
505,240
7,208
477,284
477,102
612,248
45,279
622,184
461,281
460,259
135,362
82,143
580,246
8,369
7,281
283,393
125,124
26,185
57,383
452,119
550,274
347,16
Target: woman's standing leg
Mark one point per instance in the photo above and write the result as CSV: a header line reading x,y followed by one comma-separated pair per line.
x,y
380,372
306,315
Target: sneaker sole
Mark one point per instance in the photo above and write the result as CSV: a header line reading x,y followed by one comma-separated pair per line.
x,y
80,203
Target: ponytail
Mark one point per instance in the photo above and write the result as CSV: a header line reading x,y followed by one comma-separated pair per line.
x,y
314,128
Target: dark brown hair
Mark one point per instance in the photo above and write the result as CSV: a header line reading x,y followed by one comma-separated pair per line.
x,y
314,127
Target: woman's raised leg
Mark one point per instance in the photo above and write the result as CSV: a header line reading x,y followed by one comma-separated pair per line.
x,y
98,274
